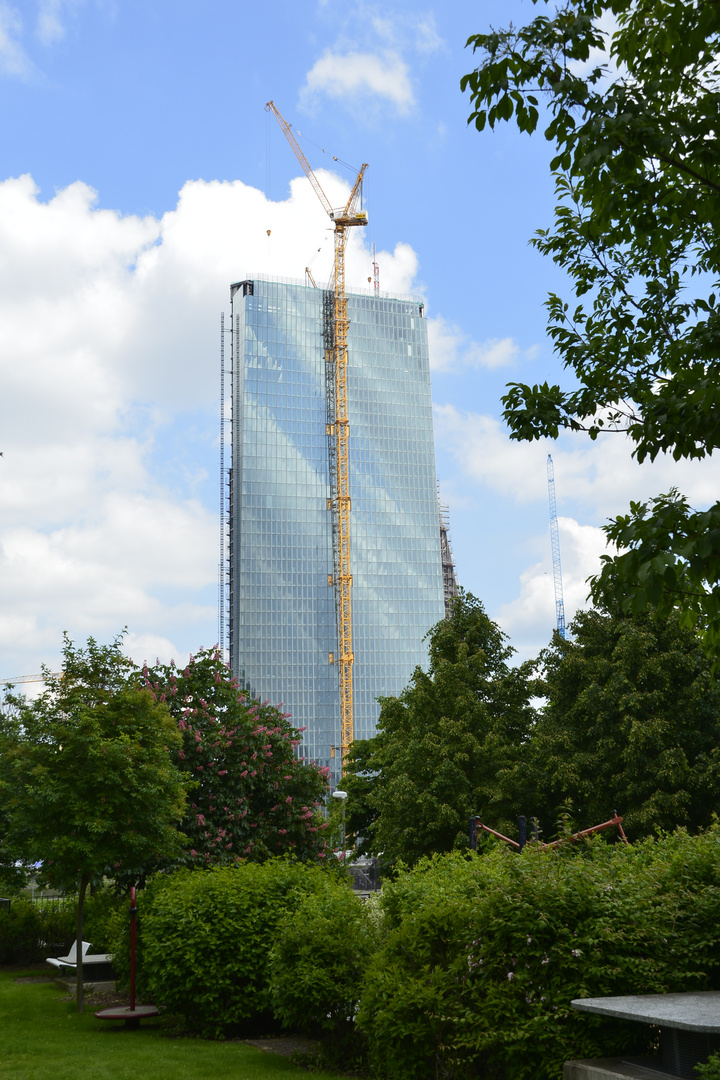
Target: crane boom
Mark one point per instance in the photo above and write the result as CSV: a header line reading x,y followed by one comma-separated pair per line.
x,y
338,429
287,130
555,542
30,678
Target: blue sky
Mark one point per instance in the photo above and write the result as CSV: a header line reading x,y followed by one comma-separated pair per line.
x,y
140,175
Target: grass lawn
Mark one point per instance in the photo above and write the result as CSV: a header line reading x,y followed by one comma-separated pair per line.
x,y
42,1037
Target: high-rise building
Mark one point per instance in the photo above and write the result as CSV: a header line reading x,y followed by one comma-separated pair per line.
x,y
282,614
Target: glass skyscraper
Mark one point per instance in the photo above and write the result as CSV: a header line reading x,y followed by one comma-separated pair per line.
x,y
282,605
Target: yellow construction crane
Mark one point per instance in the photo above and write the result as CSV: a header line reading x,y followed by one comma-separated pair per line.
x,y
338,430
311,280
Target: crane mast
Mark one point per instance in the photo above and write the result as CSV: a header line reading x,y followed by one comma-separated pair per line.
x,y
338,429
555,542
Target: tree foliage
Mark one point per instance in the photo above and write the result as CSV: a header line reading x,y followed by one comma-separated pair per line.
x,y
86,777
442,743
251,796
632,723
637,229
483,955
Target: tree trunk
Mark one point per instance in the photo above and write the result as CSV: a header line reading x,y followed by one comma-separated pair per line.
x,y
79,990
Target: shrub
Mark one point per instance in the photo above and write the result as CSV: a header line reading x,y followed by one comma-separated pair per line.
x,y
710,1070
484,954
318,963
206,935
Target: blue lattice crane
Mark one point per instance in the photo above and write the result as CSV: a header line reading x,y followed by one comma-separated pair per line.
x,y
555,541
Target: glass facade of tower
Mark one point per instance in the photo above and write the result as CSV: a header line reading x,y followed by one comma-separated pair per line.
x,y
282,604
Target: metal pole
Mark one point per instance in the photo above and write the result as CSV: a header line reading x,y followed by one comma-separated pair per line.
x,y
133,913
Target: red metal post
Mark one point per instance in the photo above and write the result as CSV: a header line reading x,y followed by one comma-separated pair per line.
x,y
498,834
133,913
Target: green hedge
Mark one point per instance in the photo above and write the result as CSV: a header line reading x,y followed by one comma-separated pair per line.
x,y
485,953
318,963
204,940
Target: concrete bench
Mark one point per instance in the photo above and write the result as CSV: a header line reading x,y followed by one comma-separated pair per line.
x,y
97,967
689,1032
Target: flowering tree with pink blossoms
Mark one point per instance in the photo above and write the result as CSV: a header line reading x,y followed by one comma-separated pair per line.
x,y
253,796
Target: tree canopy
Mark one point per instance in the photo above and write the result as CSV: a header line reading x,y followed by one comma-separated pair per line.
x,y
442,742
631,723
637,228
86,778
251,796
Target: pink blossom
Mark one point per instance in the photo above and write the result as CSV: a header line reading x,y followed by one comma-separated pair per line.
x,y
282,831
222,772
288,799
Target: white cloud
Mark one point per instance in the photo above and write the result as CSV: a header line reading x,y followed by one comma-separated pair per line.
x,y
600,476
359,76
373,60
493,353
452,350
108,331
427,39
14,60
528,620
50,27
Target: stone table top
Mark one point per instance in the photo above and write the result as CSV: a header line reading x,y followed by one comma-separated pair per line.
x,y
685,1012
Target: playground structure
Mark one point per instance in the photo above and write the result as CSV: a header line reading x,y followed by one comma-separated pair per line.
x,y
476,823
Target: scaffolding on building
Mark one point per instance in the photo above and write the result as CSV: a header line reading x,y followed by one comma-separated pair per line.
x,y
224,575
450,586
